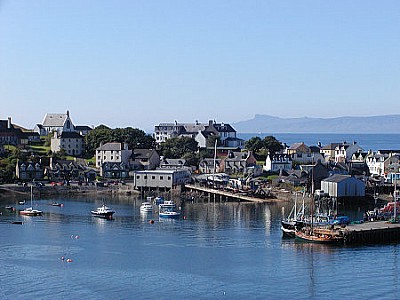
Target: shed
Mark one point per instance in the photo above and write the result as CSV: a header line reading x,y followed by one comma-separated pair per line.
x,y
340,186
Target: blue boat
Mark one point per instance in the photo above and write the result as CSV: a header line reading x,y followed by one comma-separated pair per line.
x,y
167,209
159,200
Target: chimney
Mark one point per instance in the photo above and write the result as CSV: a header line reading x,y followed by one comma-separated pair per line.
x,y
68,113
9,123
210,123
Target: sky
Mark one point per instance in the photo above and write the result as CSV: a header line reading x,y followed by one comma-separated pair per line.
x,y
139,63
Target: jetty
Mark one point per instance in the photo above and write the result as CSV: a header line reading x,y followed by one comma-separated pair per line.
x,y
371,233
219,194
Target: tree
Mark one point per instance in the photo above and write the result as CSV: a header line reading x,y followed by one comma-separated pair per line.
x,y
211,141
254,144
135,138
271,144
177,147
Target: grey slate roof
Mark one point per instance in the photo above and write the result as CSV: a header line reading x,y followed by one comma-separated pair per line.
x,y
111,147
54,120
330,146
337,178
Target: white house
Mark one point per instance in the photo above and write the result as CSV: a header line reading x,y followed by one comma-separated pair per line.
x,y
277,162
55,122
344,151
376,163
113,153
339,186
200,132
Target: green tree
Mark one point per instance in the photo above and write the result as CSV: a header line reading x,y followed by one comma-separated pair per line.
x,y
271,144
254,144
178,147
135,138
211,141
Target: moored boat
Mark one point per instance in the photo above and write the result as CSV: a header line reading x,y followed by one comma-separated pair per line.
x,y
103,212
146,207
320,235
168,210
30,211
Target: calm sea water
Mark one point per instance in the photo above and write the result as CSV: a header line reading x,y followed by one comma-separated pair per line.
x,y
366,141
218,251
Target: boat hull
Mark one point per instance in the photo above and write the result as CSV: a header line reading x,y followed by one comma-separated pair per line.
x,y
170,215
32,213
319,238
107,215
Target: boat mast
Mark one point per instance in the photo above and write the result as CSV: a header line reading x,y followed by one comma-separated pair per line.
x,y
32,196
215,161
395,200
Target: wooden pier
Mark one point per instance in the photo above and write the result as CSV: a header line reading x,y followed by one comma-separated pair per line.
x,y
228,195
371,233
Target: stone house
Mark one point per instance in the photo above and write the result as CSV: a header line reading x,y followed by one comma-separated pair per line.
x,y
60,170
29,171
144,159
70,141
328,151
206,166
114,170
114,153
237,162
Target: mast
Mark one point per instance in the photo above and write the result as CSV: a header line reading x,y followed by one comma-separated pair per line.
x,y
32,196
215,161
395,199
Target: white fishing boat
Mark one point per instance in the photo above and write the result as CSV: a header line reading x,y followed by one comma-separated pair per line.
x,y
146,207
103,212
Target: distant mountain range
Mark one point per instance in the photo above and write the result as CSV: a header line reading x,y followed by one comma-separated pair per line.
x,y
270,124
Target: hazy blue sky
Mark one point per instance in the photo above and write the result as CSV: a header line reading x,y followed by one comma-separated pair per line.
x,y
138,63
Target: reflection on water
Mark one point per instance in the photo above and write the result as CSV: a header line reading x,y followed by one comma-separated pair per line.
x,y
217,249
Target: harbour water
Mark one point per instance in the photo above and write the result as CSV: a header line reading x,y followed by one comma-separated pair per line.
x,y
224,250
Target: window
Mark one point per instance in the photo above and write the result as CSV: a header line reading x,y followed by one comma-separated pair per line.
x,y
153,177
161,177
169,177
145,177
137,177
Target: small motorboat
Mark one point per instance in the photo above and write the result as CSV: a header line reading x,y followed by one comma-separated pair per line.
x,y
168,210
103,212
146,207
57,204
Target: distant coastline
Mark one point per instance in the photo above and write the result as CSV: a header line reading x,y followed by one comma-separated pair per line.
x,y
343,125
368,141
